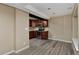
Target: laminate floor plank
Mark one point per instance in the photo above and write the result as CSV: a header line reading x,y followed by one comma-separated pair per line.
x,y
47,47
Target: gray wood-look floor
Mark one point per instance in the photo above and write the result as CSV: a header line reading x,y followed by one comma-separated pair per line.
x,y
47,47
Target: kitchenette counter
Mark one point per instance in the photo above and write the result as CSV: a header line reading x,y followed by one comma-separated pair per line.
x,y
33,33
36,29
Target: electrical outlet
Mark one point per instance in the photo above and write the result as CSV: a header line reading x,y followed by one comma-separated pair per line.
x,y
26,28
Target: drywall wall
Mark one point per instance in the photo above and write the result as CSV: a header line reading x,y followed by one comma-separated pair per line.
x,y
6,28
22,29
75,40
75,34
78,22
14,29
60,28
75,27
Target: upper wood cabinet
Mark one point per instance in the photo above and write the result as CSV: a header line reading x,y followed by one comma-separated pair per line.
x,y
33,23
45,23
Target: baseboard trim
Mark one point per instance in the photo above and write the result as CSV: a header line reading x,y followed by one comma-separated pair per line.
x,y
9,52
21,49
60,40
75,43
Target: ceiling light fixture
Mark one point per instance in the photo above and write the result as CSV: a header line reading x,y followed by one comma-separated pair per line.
x,y
53,13
49,8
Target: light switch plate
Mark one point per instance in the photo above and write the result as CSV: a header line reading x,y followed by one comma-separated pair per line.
x,y
26,28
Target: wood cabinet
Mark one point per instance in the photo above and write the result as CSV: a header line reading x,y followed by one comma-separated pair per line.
x,y
32,34
45,23
33,23
44,35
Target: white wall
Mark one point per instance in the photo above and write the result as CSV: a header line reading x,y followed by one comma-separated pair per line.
x,y
13,35
75,31
6,28
22,35
75,27
60,28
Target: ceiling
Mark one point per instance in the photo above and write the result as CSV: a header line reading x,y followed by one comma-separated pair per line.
x,y
45,10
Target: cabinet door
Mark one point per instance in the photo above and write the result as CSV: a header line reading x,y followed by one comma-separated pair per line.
x,y
36,23
33,23
45,23
30,23
32,34
44,35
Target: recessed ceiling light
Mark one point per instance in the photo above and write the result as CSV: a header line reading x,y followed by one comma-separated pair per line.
x,y
49,8
54,13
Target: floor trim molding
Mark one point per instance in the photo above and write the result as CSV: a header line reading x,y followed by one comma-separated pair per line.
x,y
21,49
9,52
60,40
75,44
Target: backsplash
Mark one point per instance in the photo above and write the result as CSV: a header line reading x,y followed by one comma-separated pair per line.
x,y
36,28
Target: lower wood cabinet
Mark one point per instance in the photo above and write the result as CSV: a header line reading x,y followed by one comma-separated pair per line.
x,y
44,35
32,34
